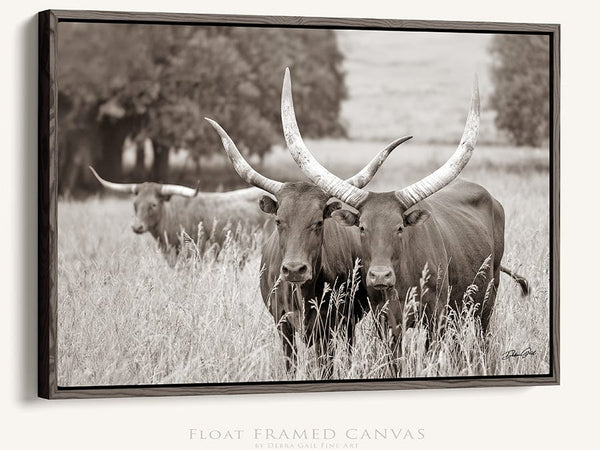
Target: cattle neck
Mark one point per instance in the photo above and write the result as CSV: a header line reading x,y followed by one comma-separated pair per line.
x,y
160,230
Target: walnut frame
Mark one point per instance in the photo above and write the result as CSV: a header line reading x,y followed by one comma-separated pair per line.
x,y
48,197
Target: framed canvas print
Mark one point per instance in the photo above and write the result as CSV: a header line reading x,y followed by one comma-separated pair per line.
x,y
247,204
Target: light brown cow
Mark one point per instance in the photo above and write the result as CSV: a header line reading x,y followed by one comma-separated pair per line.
x,y
166,210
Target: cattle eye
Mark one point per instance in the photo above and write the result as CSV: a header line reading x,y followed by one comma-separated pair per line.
x,y
319,224
361,228
153,205
277,222
400,229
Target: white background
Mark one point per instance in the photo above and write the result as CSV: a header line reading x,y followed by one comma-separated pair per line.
x,y
541,417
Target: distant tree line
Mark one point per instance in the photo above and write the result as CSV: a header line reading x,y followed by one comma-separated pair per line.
x,y
521,77
160,81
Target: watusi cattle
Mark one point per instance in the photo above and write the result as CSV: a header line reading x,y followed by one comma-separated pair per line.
x,y
165,211
306,252
454,227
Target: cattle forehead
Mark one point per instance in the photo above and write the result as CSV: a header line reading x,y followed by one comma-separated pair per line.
x,y
301,197
381,205
145,189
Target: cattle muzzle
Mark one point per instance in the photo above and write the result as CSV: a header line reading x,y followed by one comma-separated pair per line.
x,y
138,228
381,277
295,272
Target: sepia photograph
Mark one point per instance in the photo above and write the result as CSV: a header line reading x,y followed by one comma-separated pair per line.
x,y
285,204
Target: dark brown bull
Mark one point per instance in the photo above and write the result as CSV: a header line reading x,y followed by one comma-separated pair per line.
x,y
305,252
452,226
166,210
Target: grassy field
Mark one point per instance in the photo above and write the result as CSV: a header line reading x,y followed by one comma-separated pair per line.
x,y
126,317
415,83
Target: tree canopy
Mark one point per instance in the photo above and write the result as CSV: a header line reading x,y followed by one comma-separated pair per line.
x,y
521,97
162,80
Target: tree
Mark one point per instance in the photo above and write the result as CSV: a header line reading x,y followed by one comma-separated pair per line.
x,y
520,74
160,81
95,72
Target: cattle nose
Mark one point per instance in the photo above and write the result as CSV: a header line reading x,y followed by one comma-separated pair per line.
x,y
137,228
295,271
381,277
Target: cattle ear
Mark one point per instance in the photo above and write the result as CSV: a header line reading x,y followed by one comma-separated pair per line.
x,y
330,208
415,217
345,217
268,205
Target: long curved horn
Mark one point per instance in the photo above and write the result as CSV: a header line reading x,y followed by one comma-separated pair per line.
x,y
174,189
432,183
244,170
327,181
362,178
129,188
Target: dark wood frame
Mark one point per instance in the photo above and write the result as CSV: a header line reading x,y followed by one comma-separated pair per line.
x,y
47,204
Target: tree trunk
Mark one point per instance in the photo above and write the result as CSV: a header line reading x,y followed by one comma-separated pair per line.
x,y
112,136
79,148
139,170
160,167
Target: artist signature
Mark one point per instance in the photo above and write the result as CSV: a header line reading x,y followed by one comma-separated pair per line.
x,y
514,354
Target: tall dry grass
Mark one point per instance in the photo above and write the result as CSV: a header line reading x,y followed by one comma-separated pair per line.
x,y
126,317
